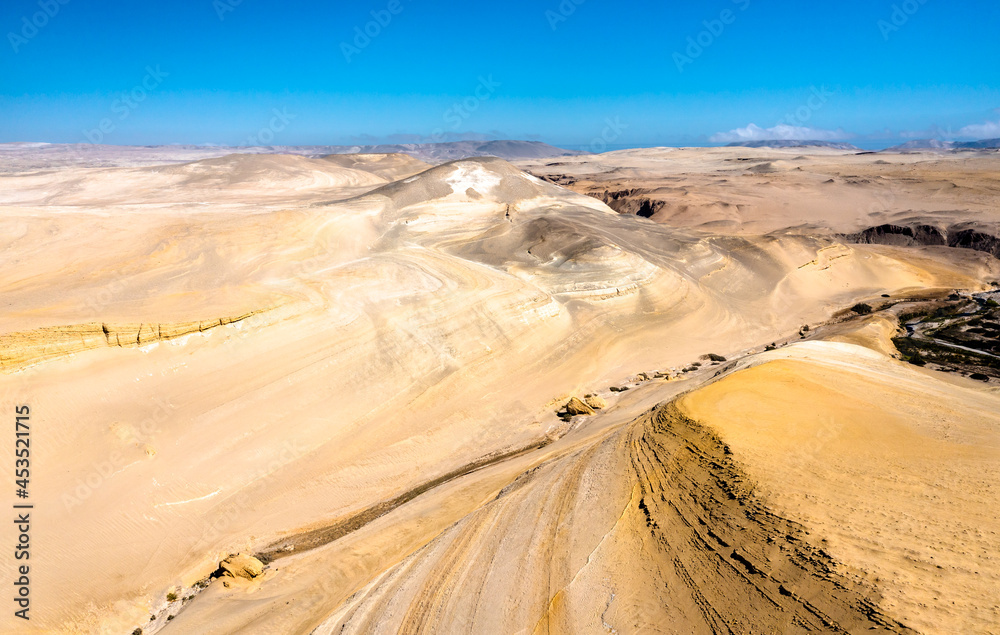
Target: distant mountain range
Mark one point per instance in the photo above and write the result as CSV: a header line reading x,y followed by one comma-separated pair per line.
x,y
454,150
925,145
922,144
792,143
984,144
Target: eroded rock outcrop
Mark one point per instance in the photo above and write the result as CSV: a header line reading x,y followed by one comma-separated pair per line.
x,y
959,236
632,201
973,239
899,235
576,406
25,348
241,566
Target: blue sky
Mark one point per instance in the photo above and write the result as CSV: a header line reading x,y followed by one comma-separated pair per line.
x,y
622,73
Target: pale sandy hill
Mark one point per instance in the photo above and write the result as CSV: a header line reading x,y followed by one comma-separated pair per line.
x,y
236,179
391,167
263,170
473,180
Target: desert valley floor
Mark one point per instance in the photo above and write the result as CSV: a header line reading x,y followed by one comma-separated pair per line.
x,y
356,370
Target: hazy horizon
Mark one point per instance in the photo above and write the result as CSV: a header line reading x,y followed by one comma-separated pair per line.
x,y
864,145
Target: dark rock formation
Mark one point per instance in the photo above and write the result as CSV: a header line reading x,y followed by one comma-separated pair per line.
x,y
632,202
900,235
961,237
972,239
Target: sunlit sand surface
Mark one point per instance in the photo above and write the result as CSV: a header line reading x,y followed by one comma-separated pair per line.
x,y
351,367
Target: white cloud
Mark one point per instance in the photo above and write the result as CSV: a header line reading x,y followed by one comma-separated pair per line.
x,y
782,132
988,130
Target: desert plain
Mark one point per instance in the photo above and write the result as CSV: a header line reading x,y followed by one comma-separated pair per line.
x,y
667,390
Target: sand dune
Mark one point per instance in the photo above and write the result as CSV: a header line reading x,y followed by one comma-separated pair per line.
x,y
893,470
391,167
645,529
359,378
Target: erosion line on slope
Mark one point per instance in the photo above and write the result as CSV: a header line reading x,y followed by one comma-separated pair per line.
x,y
26,348
314,538
738,562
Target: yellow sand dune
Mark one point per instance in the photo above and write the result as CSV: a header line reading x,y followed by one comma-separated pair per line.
x,y
894,471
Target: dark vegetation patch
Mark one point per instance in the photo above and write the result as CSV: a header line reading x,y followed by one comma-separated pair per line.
x,y
960,335
921,352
